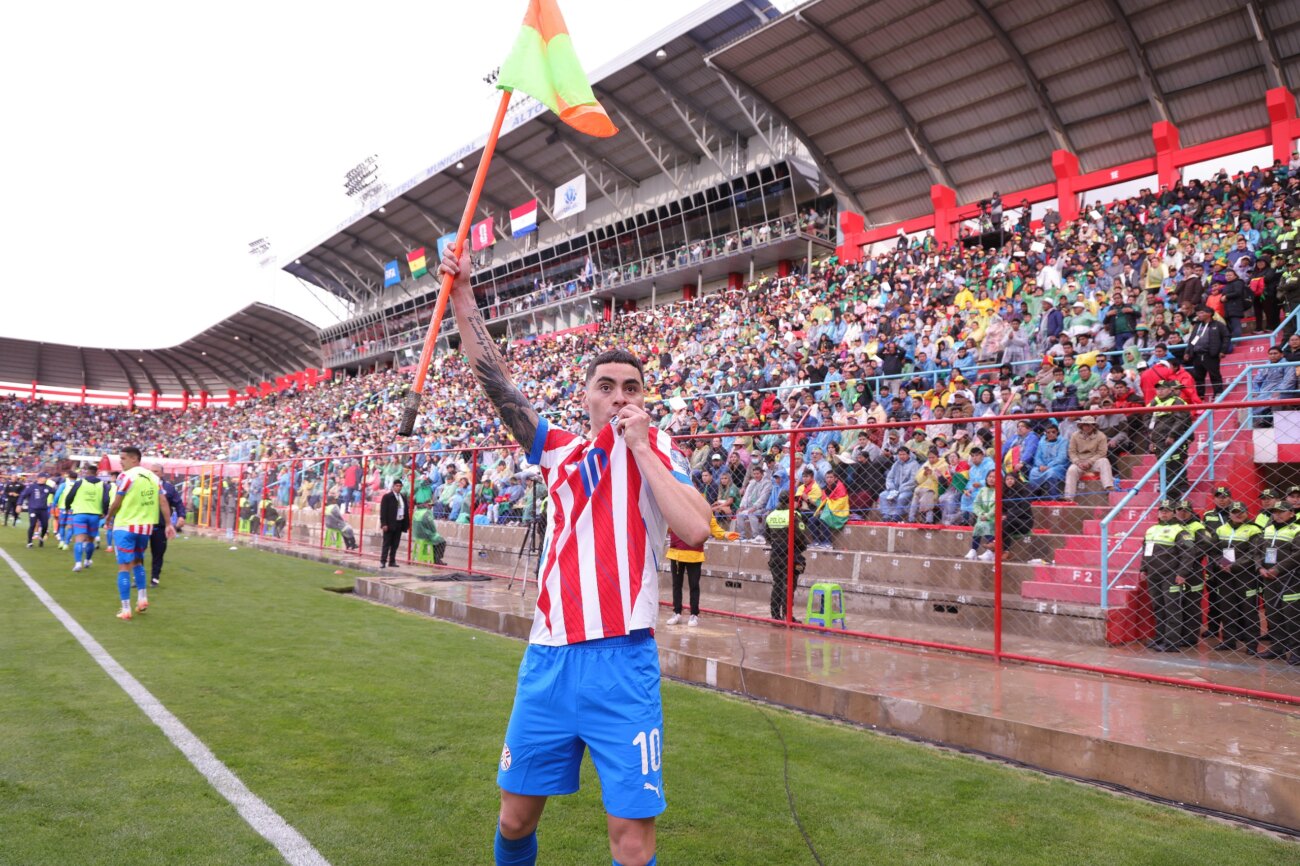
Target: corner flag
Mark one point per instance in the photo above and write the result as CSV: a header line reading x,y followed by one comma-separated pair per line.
x,y
543,64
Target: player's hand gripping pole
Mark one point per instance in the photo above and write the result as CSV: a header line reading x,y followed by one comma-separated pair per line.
x,y
412,410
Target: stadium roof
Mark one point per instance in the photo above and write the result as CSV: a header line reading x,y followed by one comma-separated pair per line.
x,y
672,110
254,345
894,96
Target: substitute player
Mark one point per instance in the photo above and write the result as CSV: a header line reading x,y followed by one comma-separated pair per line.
x,y
136,509
590,676
87,505
62,516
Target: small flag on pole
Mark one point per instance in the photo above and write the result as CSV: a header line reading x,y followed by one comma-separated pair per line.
x,y
444,242
523,219
481,235
419,267
544,65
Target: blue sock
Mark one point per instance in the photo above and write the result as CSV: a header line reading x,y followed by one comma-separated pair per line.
x,y
76,552
650,862
138,571
515,852
124,585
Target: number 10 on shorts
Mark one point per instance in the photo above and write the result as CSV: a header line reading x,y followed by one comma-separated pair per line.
x,y
651,750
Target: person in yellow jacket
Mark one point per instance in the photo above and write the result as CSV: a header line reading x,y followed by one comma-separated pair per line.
x,y
686,561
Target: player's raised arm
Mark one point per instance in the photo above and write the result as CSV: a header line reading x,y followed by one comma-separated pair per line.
x,y
484,359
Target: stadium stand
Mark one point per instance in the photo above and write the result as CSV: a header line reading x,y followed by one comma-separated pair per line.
x,y
1063,302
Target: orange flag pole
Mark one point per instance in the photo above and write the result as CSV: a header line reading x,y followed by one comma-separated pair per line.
x,y
412,410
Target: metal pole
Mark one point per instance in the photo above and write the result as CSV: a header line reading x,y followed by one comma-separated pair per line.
x,y
473,482
288,531
325,501
365,477
410,536
793,517
998,532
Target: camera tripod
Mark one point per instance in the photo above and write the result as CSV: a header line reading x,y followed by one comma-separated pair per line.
x,y
531,543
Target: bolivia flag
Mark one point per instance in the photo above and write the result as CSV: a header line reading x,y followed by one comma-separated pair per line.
x,y
523,219
544,65
415,258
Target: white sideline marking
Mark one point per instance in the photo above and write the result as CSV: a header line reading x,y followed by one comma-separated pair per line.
x,y
291,844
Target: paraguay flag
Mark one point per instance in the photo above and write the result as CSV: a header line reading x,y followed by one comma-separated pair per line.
x,y
523,219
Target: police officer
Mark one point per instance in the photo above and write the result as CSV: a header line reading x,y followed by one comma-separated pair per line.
x,y
1235,566
1216,516
1168,555
1196,586
1267,499
778,537
1167,425
1279,565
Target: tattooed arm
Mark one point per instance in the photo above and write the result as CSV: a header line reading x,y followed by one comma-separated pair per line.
x,y
484,359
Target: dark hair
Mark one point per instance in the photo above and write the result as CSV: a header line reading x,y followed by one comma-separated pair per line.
x,y
133,451
615,356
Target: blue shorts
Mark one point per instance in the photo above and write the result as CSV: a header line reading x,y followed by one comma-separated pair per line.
x,y
85,524
602,695
129,546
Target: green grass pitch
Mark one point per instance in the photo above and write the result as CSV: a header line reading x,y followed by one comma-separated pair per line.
x,y
376,734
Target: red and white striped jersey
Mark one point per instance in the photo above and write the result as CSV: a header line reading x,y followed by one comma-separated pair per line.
x,y
605,536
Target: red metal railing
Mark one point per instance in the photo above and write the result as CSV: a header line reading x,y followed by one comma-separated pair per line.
x,y
982,630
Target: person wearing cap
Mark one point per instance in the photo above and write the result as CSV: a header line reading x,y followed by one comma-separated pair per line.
x,y
1208,342
1268,497
1196,584
1087,453
1234,571
1168,551
1166,425
1279,573
1275,380
900,486
753,502
1293,497
781,553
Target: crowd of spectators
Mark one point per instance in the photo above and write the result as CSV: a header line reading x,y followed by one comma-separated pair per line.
x,y
1092,314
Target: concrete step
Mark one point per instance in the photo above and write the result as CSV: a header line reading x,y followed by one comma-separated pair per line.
x,y
1079,593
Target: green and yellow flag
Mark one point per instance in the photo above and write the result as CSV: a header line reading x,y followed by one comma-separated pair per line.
x,y
544,65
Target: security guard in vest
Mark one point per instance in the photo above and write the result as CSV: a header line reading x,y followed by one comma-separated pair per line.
x,y
88,500
778,558
1166,427
1196,585
1267,499
1278,570
1168,561
1235,568
1215,516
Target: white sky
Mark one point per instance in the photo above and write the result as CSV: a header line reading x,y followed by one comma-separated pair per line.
x,y
150,142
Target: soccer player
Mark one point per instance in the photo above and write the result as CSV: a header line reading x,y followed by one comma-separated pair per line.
x,y
87,505
61,513
137,508
590,676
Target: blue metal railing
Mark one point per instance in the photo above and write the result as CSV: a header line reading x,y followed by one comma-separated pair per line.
x,y
1110,573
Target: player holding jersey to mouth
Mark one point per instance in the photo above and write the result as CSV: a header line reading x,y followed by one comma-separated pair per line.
x,y
590,676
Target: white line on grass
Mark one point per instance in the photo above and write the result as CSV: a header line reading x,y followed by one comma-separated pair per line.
x,y
291,844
